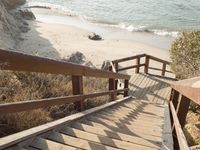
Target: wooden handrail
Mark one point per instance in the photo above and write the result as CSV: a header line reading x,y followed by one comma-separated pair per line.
x,y
146,64
21,62
189,88
179,132
182,93
35,104
15,61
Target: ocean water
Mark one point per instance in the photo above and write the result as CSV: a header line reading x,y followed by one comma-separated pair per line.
x,y
162,17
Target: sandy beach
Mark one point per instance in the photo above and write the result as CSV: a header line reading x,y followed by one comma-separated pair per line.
x,y
58,41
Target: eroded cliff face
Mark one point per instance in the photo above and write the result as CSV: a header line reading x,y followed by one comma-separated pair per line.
x,y
11,25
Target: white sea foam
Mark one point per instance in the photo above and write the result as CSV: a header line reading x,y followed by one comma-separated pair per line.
x,y
126,26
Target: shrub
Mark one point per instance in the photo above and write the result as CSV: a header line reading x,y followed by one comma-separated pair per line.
x,y
185,55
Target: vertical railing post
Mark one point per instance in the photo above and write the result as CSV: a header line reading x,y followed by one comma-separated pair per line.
x,y
77,87
137,70
146,67
126,84
174,98
111,86
116,66
164,69
182,109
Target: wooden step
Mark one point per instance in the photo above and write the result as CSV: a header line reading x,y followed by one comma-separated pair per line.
x,y
104,140
78,142
117,135
45,144
105,122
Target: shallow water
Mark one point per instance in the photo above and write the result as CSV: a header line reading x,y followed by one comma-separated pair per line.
x,y
162,17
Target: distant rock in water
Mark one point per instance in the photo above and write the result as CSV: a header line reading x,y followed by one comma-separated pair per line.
x,y
26,14
79,58
95,37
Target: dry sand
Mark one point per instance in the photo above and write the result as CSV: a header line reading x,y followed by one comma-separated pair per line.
x,y
59,41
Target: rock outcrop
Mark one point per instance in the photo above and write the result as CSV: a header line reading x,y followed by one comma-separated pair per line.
x,y
79,58
11,24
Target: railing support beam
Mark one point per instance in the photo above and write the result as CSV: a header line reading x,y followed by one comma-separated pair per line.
x,y
137,70
77,88
182,109
126,83
146,68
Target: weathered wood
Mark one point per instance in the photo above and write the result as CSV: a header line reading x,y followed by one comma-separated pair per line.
x,y
21,62
182,109
126,84
137,70
77,88
146,67
112,87
189,88
180,135
131,67
35,104
164,69
129,58
159,60
24,135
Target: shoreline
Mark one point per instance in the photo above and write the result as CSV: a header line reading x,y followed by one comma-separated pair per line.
x,y
58,37
106,31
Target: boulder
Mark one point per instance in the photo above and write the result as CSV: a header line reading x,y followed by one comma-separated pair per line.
x,y
79,58
105,65
95,37
26,14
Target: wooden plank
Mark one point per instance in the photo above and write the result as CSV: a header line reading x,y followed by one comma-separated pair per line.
x,y
24,135
167,132
137,70
114,128
182,109
129,128
129,58
117,135
35,104
131,67
77,142
189,88
45,144
164,69
21,62
159,60
146,64
104,140
77,88
126,85
112,87
180,135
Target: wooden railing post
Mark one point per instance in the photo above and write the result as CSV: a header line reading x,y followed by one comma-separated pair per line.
x,y
174,98
77,87
116,67
112,87
164,69
137,70
146,67
182,109
126,83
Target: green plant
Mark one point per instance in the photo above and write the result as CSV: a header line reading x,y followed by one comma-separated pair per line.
x,y
185,55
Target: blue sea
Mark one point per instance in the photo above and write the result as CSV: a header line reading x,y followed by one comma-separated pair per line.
x,y
162,17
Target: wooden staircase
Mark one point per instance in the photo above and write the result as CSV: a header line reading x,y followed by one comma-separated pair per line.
x,y
140,120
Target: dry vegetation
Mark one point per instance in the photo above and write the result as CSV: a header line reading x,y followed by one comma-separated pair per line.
x,y
185,55
20,86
